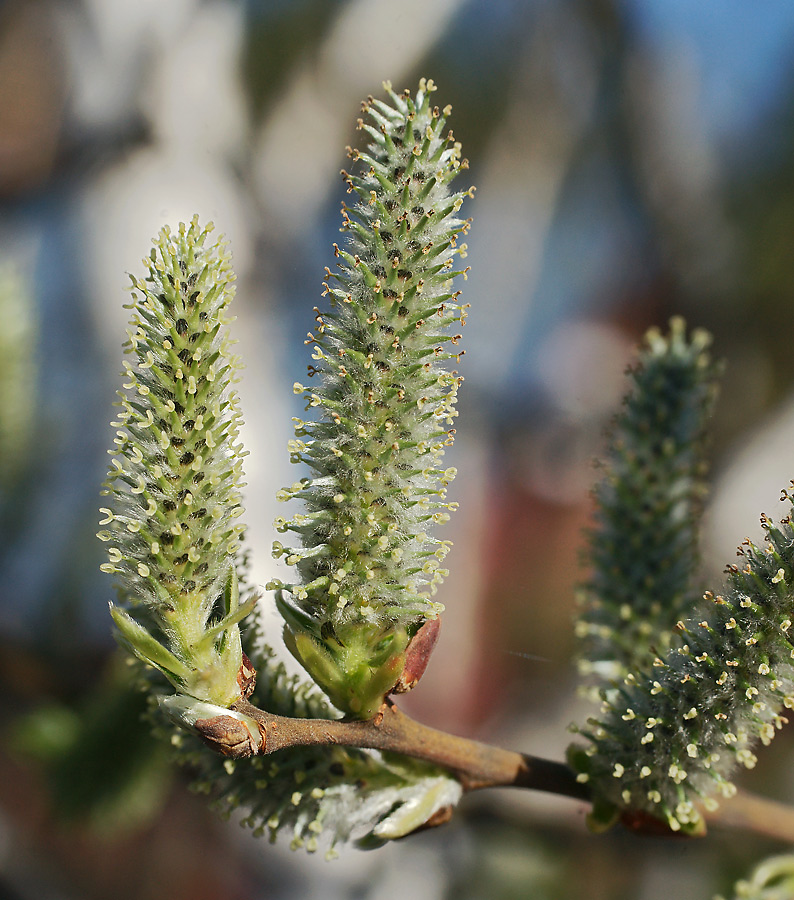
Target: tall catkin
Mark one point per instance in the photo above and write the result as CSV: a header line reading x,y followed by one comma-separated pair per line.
x,y
367,559
642,550
171,523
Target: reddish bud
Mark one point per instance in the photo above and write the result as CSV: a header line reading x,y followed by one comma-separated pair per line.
x,y
228,736
417,656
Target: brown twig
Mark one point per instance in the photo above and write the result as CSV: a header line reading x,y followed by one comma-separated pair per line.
x,y
479,765
476,765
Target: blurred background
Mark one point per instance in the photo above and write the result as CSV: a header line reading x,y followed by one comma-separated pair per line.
x,y
633,160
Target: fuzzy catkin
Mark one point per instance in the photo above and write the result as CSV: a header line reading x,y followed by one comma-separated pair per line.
x,y
171,523
367,561
642,549
688,687
671,734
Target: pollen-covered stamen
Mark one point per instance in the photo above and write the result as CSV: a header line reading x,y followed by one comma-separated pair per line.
x,y
175,478
385,406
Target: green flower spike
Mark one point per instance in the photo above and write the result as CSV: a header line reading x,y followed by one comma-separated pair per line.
x,y
673,730
367,562
643,547
175,479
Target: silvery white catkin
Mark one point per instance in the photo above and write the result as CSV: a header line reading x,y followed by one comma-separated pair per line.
x,y
367,560
672,732
171,523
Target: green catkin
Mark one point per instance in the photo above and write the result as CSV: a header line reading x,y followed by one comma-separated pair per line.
x,y
643,547
671,733
171,523
367,561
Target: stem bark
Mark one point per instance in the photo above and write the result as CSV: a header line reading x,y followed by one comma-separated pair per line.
x,y
478,765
